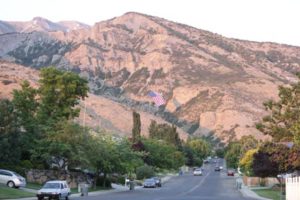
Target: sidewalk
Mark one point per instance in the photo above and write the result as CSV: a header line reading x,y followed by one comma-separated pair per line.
x,y
247,192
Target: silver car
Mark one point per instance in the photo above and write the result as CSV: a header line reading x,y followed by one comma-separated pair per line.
x,y
54,190
12,179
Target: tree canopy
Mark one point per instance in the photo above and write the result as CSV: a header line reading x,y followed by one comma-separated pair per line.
x,y
283,124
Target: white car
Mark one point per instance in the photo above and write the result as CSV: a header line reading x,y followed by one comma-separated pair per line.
x,y
12,179
54,190
197,172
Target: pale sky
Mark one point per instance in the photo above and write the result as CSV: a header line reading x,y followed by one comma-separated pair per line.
x,y
257,20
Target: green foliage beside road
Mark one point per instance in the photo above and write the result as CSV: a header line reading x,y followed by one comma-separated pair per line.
x,y
196,150
282,154
10,193
162,155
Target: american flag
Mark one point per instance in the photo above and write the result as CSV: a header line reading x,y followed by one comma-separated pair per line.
x,y
157,98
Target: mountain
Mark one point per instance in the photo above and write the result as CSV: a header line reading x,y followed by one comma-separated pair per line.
x,y
96,111
40,24
212,84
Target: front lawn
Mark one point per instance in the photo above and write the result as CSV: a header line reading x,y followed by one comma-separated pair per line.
x,y
11,193
34,186
268,193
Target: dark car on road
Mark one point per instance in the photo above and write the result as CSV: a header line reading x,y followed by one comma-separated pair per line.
x,y
157,181
149,183
217,169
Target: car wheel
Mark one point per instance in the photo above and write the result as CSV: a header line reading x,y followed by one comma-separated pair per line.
x,y
40,198
11,184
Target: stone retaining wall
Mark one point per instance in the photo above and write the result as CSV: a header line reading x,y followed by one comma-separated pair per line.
x,y
41,176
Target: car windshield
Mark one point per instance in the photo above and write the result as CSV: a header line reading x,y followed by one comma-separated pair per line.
x,y
51,186
149,180
17,174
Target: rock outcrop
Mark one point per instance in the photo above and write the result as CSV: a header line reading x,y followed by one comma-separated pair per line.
x,y
212,84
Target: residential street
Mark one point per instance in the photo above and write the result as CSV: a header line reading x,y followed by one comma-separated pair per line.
x,y
212,185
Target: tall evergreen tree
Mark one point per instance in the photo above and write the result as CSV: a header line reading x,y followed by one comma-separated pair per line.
x,y
136,130
165,132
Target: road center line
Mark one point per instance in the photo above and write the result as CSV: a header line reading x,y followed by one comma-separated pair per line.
x,y
198,185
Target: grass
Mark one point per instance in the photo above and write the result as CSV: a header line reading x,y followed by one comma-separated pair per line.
x,y
35,186
268,193
11,193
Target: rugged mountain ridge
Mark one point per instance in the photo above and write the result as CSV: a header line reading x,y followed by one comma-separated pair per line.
x,y
40,24
212,84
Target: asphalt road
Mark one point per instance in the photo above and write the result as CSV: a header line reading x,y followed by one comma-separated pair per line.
x,y
211,186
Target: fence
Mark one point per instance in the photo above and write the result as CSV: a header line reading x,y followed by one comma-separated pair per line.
x,y
292,188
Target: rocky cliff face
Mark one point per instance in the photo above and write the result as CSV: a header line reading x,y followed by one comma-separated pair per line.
x,y
212,84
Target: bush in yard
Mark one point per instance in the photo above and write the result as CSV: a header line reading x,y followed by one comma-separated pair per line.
x,y
101,180
144,172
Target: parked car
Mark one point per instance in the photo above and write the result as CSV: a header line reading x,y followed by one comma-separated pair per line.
x,y
54,190
206,161
12,179
217,169
149,183
230,172
197,172
157,181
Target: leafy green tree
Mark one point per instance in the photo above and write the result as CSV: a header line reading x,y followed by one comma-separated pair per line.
x,y
136,130
247,143
64,147
26,105
130,159
145,171
284,121
165,132
107,155
191,157
44,112
10,152
103,156
200,147
162,155
233,154
59,93
220,152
